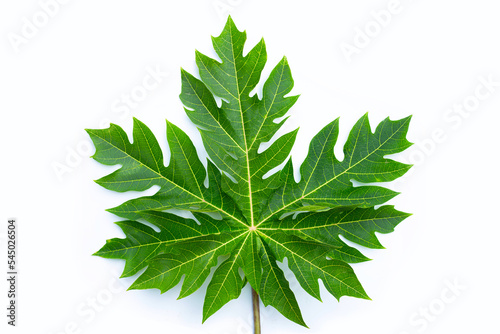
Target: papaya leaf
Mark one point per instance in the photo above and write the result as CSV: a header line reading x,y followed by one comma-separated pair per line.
x,y
244,221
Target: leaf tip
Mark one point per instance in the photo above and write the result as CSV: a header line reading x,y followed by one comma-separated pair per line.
x,y
229,20
230,25
205,317
137,122
111,210
198,55
124,275
170,126
405,215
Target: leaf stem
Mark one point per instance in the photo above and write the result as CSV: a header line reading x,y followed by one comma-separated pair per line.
x,y
256,312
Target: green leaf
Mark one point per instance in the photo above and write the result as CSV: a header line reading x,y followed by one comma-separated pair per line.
x,y
143,242
275,289
309,262
246,219
226,283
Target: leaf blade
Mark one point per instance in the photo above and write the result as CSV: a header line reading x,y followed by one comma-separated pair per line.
x,y
242,206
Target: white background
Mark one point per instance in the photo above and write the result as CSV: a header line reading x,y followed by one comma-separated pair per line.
x,y
431,56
